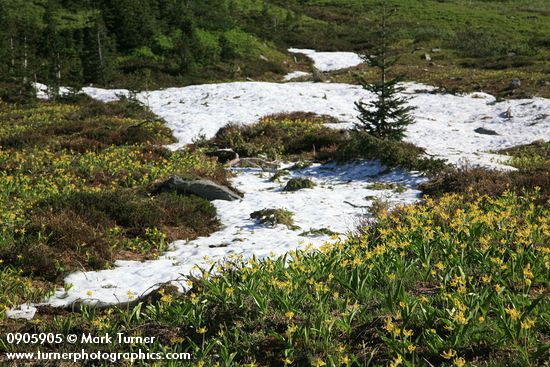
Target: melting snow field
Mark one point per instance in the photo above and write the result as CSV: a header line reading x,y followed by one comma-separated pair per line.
x,y
444,125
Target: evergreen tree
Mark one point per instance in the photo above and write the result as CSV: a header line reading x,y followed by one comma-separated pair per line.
x,y
388,114
53,49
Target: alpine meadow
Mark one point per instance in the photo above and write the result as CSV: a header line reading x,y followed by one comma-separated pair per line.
x,y
259,183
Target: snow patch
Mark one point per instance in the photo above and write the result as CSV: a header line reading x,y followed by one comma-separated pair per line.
x,y
330,61
25,312
43,91
295,75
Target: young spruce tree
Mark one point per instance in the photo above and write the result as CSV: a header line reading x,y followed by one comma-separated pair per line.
x,y
388,114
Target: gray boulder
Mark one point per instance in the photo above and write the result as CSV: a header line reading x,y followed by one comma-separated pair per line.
x,y
515,83
205,189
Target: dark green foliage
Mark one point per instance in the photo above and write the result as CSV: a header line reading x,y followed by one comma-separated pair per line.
x,y
313,232
387,115
298,183
19,92
278,175
390,153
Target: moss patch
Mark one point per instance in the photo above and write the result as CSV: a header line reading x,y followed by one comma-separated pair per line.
x,y
299,183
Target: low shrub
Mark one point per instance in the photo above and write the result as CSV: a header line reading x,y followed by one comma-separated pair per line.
x,y
532,163
390,153
476,181
277,137
278,175
299,183
85,230
314,232
387,186
304,136
273,217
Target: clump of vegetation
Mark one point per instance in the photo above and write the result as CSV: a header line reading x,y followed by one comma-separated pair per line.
x,y
74,195
390,153
387,186
378,207
300,165
299,183
534,156
273,217
307,140
313,232
533,172
278,175
429,283
290,136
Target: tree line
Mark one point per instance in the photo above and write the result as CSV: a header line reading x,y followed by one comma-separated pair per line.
x,y
76,42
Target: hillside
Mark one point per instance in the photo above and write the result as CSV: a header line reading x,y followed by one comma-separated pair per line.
x,y
150,44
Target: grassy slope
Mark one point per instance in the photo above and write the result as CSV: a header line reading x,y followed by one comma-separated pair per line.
x,y
475,38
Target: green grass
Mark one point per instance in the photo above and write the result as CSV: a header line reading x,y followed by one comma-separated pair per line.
x,y
529,157
518,48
